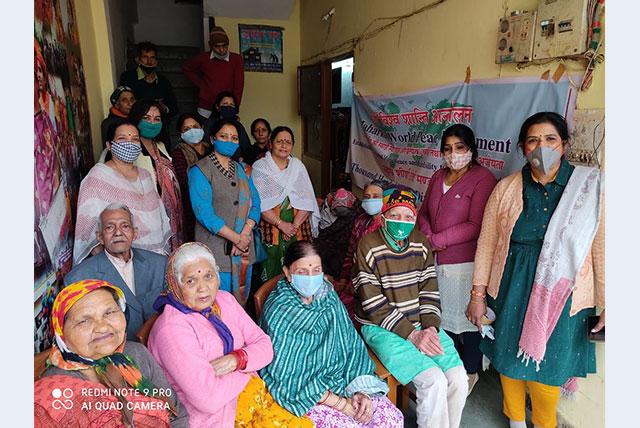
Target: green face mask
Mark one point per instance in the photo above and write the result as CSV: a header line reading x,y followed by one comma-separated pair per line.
x,y
399,229
148,129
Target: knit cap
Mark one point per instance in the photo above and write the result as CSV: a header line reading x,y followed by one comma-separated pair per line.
x,y
395,197
218,35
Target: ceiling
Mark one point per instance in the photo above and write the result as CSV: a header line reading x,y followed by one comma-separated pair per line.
x,y
256,9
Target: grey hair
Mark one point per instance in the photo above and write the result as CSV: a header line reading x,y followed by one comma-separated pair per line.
x,y
113,207
190,254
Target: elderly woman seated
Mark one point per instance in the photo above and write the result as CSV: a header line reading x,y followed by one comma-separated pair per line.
x,y
95,378
321,367
210,349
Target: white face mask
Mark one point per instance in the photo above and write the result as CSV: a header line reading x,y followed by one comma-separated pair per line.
x,y
458,161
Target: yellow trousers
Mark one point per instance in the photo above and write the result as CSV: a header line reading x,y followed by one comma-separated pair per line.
x,y
257,409
544,401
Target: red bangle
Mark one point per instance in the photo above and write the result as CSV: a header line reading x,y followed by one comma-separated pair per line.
x,y
245,359
241,358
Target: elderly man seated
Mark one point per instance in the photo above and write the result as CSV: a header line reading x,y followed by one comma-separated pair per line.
x,y
399,304
138,273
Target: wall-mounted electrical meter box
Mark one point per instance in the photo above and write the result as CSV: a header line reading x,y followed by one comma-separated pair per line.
x,y
561,29
515,37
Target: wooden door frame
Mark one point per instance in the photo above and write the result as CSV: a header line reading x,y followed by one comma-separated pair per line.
x,y
325,127
325,119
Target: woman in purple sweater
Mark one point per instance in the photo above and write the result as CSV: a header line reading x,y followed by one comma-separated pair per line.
x,y
450,217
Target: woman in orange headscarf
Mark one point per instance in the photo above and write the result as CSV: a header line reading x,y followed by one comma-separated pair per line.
x,y
94,376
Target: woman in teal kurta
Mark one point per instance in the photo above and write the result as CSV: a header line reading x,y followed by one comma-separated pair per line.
x,y
539,265
569,353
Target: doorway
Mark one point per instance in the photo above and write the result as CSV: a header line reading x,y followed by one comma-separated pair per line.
x,y
341,101
325,96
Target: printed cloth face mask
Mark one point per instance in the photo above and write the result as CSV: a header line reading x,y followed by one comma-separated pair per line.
x,y
399,229
125,151
458,161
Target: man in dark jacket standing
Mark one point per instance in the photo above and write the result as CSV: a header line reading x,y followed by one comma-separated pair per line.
x,y
146,83
215,71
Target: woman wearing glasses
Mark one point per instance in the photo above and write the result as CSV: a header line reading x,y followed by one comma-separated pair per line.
x,y
288,202
540,258
226,206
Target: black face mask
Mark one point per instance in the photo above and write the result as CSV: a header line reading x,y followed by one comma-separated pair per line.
x,y
148,69
228,112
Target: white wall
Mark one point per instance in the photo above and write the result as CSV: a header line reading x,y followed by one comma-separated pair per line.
x,y
164,22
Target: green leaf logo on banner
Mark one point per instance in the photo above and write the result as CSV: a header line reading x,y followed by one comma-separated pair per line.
x,y
387,109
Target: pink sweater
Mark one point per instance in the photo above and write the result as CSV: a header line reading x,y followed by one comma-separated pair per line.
x,y
453,219
184,345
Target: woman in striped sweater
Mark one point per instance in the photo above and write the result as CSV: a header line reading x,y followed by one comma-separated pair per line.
x,y
321,368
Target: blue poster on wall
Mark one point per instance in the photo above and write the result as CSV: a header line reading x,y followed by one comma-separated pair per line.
x,y
261,48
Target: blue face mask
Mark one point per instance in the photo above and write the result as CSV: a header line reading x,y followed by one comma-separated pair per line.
x,y
148,129
225,148
307,285
372,206
192,136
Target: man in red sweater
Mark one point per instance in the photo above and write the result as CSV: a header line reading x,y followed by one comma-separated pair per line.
x,y
215,71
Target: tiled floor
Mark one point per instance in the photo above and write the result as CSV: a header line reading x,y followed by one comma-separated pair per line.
x,y
483,408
